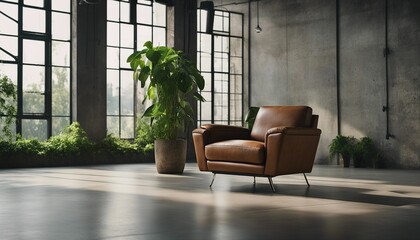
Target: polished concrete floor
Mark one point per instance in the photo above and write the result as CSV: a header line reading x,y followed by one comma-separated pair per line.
x,y
134,202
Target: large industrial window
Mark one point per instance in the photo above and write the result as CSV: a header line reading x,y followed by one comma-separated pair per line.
x,y
220,59
35,53
129,25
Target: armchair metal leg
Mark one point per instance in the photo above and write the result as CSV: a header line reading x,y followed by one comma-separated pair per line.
x,y
270,180
214,176
306,179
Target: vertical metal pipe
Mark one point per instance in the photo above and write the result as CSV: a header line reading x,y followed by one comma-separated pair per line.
x,y
338,65
249,54
386,54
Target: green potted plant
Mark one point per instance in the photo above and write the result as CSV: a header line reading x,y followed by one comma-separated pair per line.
x,y
170,80
343,146
364,153
250,116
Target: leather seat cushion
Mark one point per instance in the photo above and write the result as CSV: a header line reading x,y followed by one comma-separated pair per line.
x,y
242,151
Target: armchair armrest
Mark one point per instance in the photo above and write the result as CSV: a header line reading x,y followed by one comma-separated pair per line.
x,y
293,131
220,132
210,133
290,150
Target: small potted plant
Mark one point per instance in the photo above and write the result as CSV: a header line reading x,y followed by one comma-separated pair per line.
x,y
171,80
343,146
364,153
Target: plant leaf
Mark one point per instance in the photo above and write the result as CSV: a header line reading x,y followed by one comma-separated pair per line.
x,y
148,44
199,97
149,111
144,74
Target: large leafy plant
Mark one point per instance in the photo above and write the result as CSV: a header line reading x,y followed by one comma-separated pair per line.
x,y
170,79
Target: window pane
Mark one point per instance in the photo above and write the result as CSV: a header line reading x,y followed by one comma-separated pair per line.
x,y
125,53
33,52
127,36
127,98
112,10
34,20
236,65
159,37
236,84
113,125
59,123
62,5
33,89
112,34
207,80
60,26
144,34
127,127
144,14
205,63
236,107
60,91
11,128
34,128
10,45
206,107
60,53
202,20
205,43
36,3
125,12
113,57
147,2
9,70
159,15
221,44
221,62
221,83
236,47
218,23
8,26
112,92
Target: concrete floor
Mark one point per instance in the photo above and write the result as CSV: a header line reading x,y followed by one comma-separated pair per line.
x,y
134,202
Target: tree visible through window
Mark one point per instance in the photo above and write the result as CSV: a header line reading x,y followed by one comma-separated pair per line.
x,y
35,53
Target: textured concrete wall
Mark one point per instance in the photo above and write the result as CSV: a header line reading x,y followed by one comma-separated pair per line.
x,y
404,83
298,59
362,69
294,60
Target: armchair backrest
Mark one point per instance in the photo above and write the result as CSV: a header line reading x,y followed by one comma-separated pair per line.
x,y
278,116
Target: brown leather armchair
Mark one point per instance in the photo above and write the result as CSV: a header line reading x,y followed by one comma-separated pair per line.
x,y
283,140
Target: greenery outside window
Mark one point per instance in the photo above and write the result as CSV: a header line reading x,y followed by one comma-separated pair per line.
x,y
129,25
35,43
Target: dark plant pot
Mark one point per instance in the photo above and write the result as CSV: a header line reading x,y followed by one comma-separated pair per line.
x,y
346,160
359,162
170,156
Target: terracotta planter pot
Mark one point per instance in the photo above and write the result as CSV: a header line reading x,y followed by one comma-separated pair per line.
x,y
170,155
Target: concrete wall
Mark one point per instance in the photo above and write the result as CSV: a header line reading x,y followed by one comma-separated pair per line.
x,y
305,55
89,68
404,82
